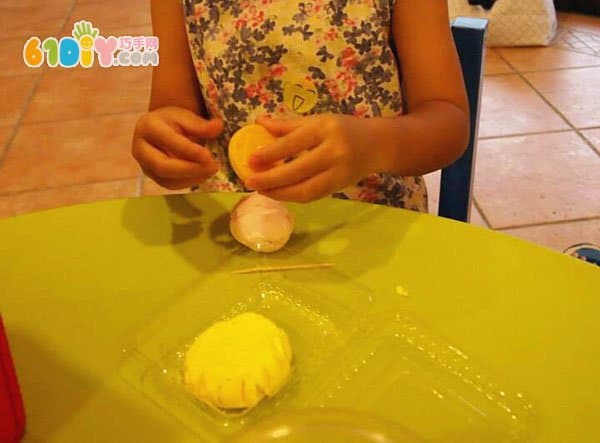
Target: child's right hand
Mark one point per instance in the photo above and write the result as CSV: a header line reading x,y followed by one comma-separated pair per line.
x,y
164,146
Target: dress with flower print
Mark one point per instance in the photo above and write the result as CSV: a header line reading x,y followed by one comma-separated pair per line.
x,y
290,58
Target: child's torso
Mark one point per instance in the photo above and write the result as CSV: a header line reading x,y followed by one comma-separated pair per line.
x,y
291,58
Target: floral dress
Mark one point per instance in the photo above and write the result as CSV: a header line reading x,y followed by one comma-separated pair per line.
x,y
293,58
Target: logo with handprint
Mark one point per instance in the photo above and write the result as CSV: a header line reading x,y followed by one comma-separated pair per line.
x,y
86,35
85,44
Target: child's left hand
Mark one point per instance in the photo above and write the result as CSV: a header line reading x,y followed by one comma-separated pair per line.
x,y
331,152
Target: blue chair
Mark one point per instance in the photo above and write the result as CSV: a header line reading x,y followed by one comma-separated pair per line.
x,y
457,179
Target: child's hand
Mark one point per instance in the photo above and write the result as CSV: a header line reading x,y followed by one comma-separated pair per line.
x,y
163,146
333,151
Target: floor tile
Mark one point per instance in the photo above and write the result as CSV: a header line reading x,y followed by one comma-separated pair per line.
x,y
509,106
579,21
560,236
574,92
6,209
477,218
593,135
49,155
133,31
545,59
150,187
26,18
5,132
14,91
94,91
537,179
584,42
112,13
16,204
11,57
494,64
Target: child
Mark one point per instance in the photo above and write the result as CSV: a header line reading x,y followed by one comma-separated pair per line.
x,y
364,96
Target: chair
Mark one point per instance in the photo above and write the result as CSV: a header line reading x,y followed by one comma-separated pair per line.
x,y
457,179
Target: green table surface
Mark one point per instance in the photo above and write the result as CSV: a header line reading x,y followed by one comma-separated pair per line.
x,y
76,282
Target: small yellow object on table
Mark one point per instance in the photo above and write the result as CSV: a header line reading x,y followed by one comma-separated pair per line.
x,y
235,363
401,291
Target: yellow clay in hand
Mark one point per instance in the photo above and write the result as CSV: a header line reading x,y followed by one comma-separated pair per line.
x,y
243,144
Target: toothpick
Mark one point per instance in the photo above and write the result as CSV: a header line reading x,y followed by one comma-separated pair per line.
x,y
282,268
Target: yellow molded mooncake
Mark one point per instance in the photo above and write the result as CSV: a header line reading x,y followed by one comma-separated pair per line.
x,y
235,363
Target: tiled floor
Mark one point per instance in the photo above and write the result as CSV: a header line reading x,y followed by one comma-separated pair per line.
x,y
65,134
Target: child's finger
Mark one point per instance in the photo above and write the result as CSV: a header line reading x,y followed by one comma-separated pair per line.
x,y
159,164
195,125
285,147
302,168
309,190
168,140
279,126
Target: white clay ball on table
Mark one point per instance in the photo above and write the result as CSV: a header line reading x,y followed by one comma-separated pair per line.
x,y
261,223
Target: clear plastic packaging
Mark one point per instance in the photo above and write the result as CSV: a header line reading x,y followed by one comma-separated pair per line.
x,y
403,372
352,352
319,320
332,426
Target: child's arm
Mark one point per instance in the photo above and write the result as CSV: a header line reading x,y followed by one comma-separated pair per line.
x,y
435,131
174,81
167,140
341,150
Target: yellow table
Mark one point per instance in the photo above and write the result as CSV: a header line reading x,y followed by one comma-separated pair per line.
x,y
76,282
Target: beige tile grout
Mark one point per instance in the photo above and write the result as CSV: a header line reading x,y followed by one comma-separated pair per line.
x,y
589,143
36,83
524,134
480,210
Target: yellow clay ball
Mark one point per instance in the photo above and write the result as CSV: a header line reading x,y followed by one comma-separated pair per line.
x,y
235,363
243,144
